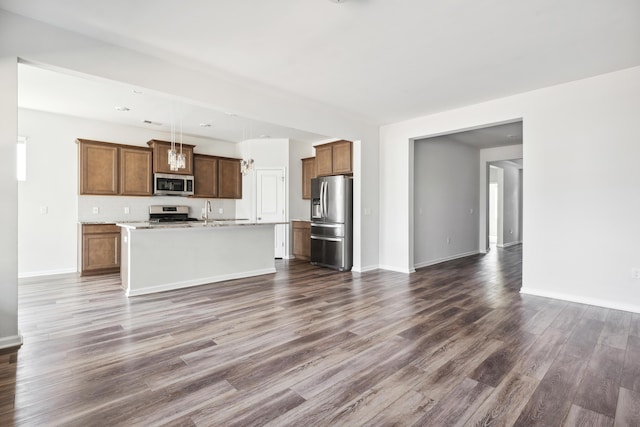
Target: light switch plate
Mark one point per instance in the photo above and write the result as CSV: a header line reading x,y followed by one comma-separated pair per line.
x,y
95,210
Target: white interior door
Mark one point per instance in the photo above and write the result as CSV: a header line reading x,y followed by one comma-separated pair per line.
x,y
270,204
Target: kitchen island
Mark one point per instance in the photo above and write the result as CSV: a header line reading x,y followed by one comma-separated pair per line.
x,y
159,257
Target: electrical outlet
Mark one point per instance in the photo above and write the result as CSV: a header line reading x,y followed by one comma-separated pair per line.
x,y
220,210
95,210
448,240
126,210
44,210
635,273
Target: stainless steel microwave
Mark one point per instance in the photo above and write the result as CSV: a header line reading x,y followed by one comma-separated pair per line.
x,y
165,184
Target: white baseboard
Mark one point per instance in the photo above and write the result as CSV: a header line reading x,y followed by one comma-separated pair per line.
x,y
197,282
445,259
46,273
506,245
11,341
581,300
399,270
365,269
289,257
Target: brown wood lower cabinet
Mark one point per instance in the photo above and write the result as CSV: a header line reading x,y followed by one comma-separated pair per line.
x,y
100,249
302,239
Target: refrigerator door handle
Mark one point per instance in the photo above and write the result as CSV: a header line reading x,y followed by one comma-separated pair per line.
x,y
330,239
316,224
324,201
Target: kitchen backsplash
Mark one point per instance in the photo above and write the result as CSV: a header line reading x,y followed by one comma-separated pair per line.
x,y
112,208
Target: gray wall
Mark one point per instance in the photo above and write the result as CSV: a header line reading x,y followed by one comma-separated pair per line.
x,y
446,200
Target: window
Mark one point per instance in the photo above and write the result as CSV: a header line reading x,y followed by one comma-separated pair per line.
x,y
22,158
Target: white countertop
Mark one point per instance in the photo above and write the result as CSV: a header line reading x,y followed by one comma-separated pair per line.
x,y
192,224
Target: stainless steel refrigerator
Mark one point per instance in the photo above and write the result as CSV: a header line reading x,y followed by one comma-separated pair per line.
x,y
332,222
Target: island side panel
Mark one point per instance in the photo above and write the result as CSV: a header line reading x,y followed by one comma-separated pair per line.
x,y
124,258
173,258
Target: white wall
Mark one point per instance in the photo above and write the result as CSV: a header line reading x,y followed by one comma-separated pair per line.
x,y
266,154
9,334
445,200
43,44
47,242
580,150
299,208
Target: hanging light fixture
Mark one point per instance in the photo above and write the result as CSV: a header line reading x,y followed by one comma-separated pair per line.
x,y
246,166
176,160
181,159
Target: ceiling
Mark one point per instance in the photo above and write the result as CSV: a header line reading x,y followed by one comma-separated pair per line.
x,y
487,137
383,60
84,96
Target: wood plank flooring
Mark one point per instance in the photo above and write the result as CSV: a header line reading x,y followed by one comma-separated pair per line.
x,y
452,344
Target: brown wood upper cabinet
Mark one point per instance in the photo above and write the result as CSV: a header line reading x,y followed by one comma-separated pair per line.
x,y
100,249
114,169
308,173
205,176
135,171
161,157
98,167
334,158
229,178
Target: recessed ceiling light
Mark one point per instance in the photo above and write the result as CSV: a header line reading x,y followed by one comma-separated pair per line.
x,y
138,92
205,125
231,114
337,1
122,109
265,136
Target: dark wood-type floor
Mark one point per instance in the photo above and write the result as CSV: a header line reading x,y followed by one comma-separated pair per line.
x,y
453,344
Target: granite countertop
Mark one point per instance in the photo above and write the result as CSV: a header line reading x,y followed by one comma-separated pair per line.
x,y
96,222
212,223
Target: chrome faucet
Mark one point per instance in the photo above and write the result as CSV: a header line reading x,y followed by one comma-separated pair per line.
x,y
207,209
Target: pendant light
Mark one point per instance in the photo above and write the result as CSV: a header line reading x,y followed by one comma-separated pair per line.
x,y
176,160
246,166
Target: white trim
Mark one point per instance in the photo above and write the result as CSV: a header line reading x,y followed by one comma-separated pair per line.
x,y
399,270
289,257
582,300
11,341
445,259
198,282
46,273
365,269
506,245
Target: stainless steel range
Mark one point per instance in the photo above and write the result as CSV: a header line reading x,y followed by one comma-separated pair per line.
x,y
159,213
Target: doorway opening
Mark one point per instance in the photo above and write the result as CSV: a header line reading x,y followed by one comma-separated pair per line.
x,y
452,213
504,203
